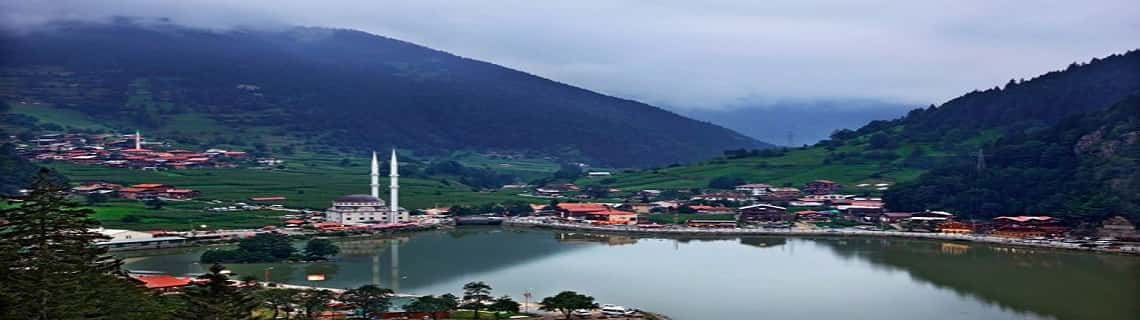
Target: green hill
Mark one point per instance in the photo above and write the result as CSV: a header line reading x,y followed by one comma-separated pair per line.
x,y
900,150
1086,168
326,90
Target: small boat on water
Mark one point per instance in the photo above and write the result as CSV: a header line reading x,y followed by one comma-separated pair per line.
x,y
478,221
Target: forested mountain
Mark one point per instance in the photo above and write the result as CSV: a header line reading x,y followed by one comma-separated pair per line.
x,y
945,137
334,88
1019,106
1086,168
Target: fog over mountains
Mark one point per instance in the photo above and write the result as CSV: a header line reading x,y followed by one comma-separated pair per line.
x,y
796,123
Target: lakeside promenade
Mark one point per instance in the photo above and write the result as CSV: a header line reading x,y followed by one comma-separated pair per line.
x,y
711,232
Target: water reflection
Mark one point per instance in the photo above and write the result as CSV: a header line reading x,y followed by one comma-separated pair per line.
x,y
1057,284
735,278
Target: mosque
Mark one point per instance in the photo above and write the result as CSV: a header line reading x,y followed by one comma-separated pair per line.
x,y
362,208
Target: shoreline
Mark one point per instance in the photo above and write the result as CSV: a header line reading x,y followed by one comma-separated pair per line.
x,y
688,231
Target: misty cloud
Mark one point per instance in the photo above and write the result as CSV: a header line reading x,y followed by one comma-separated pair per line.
x,y
698,54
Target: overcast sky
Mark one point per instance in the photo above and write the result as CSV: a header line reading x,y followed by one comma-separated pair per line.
x,y
700,54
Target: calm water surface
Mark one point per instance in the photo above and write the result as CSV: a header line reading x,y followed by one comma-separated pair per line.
x,y
729,278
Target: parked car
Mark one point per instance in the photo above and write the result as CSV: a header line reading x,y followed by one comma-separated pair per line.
x,y
582,313
615,310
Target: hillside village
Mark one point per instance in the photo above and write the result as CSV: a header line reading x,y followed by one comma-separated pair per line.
x,y
125,151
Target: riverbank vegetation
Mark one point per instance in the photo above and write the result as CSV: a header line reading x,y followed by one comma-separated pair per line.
x,y
270,247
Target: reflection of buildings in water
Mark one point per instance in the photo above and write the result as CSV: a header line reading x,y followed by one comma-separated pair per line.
x,y
375,248
366,247
394,253
763,242
611,240
954,248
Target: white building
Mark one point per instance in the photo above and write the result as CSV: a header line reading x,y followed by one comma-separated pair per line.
x,y
754,189
121,234
133,240
363,208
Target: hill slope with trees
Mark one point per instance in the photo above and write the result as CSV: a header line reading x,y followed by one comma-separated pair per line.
x,y
900,150
1086,168
334,89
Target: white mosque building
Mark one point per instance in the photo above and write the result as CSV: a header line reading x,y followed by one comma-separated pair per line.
x,y
363,208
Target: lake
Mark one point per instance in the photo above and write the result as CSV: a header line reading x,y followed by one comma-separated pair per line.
x,y
727,278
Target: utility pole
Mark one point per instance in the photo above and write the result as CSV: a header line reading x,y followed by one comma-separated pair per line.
x,y
981,164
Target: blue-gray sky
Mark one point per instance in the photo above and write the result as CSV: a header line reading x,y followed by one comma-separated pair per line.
x,y
700,54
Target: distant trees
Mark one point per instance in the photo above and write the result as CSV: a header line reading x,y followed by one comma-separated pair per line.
x,y
475,177
320,249
371,300
725,182
566,302
476,295
216,299
504,304
280,300
433,304
568,171
313,302
264,247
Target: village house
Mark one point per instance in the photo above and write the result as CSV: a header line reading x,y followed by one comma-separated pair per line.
x,y
1120,228
119,240
864,214
955,227
763,213
703,209
1027,227
596,213
753,189
814,216
782,193
894,217
723,196
821,187
162,282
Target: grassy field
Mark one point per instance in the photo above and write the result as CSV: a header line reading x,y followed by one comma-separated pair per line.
x,y
794,168
179,216
306,182
527,169
62,117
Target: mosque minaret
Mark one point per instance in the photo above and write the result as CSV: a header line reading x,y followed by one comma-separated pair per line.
x,y
393,187
360,208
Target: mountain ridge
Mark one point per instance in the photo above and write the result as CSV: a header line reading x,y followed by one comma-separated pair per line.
x,y
340,88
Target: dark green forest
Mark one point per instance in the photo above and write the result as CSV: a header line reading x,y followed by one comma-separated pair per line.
x,y
336,88
1018,107
16,172
1085,168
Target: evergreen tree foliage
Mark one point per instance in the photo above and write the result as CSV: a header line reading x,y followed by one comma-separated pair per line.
x,y
566,302
320,249
216,299
433,304
476,295
313,302
50,269
1084,169
371,300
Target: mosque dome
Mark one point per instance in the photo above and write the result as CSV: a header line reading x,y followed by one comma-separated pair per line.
x,y
358,198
